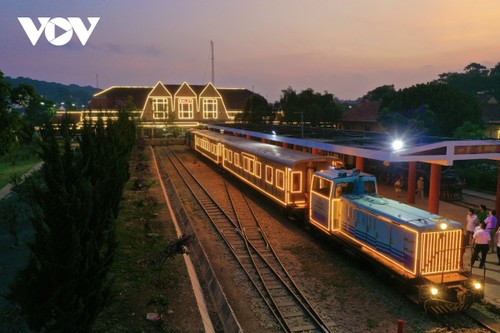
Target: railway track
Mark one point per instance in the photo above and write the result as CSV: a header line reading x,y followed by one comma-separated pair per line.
x,y
239,228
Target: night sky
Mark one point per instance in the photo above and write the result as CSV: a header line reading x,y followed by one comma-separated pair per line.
x,y
345,47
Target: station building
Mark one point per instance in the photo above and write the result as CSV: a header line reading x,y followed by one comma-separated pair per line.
x,y
157,108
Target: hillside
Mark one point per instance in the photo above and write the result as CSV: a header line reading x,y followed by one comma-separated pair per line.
x,y
57,92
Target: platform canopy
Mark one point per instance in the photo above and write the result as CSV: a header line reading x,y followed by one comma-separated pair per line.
x,y
373,145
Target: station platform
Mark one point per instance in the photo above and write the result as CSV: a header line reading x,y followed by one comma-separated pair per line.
x,y
448,210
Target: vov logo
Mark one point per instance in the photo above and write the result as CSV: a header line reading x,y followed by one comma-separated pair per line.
x,y
58,30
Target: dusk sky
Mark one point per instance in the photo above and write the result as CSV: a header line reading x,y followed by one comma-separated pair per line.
x,y
345,47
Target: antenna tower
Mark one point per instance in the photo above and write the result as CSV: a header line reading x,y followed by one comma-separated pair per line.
x,y
213,73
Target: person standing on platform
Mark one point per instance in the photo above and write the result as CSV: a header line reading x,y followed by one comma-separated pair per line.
x,y
471,223
397,187
497,238
491,226
420,188
482,244
482,214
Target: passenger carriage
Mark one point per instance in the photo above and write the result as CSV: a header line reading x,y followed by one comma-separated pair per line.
x,y
281,174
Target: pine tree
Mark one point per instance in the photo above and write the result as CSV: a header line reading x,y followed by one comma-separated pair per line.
x,y
65,284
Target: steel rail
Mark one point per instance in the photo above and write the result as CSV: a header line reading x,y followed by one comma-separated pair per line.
x,y
288,309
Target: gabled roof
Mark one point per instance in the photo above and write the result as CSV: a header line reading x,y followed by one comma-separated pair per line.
x,y
234,99
364,112
114,97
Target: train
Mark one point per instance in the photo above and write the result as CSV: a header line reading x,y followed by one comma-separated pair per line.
x,y
419,248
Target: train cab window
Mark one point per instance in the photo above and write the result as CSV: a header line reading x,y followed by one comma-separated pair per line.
x,y
296,182
322,186
370,187
280,179
343,188
269,174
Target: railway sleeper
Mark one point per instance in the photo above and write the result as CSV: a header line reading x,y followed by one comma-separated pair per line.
x,y
292,313
284,301
304,328
279,292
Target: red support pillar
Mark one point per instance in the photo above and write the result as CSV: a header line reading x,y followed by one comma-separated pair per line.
x,y
284,145
400,326
360,163
248,136
434,188
412,182
263,140
497,201
314,151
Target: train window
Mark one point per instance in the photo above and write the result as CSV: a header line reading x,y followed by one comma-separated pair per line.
x,y
230,156
370,187
296,182
269,174
258,169
237,160
280,179
248,164
322,186
343,188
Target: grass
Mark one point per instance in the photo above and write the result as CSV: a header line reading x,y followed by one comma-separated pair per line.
x,y
138,286
16,164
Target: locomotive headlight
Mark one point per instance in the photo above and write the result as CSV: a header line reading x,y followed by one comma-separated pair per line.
x,y
434,291
443,226
477,285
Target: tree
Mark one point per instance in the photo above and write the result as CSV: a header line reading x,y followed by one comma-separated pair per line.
x,y
311,107
9,119
290,105
433,108
75,202
469,130
379,93
256,109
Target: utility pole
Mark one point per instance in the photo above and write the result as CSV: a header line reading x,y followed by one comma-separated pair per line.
x,y
213,73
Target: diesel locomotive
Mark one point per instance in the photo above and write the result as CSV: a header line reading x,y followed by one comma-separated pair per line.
x,y
422,249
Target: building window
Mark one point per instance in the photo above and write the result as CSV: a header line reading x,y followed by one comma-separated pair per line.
x,y
159,115
160,104
186,108
209,108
